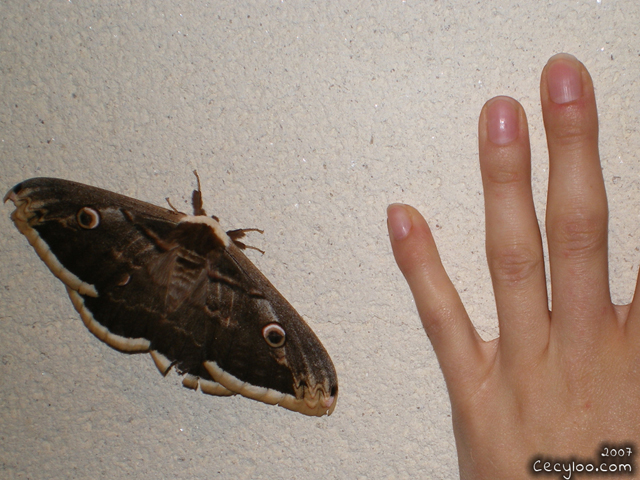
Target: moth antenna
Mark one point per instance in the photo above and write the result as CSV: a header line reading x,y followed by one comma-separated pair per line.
x,y
196,198
195,172
171,205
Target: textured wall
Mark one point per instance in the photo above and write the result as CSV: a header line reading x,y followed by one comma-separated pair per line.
x,y
303,119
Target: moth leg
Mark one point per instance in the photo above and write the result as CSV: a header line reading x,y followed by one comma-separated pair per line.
x,y
243,246
240,233
171,205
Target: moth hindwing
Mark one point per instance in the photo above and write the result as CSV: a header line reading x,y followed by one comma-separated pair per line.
x,y
148,279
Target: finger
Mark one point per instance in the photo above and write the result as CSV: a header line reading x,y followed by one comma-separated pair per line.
x,y
514,245
577,202
632,320
443,316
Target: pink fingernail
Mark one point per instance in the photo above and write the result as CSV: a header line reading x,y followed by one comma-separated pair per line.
x,y
564,78
398,221
502,121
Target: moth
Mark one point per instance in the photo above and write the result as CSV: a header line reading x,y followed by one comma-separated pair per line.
x,y
149,279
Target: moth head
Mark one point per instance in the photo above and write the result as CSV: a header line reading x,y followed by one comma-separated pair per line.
x,y
88,218
274,335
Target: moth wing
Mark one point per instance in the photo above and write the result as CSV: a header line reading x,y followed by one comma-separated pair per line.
x,y
144,278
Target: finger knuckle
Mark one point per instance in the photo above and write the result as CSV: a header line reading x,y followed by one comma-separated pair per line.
x,y
574,131
506,173
579,234
514,264
417,262
438,319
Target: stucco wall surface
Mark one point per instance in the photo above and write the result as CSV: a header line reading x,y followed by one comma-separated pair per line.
x,y
305,119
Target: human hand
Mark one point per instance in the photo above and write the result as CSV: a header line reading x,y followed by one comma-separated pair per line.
x,y
555,383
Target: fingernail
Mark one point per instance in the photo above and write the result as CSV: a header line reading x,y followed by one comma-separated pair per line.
x,y
564,78
502,121
398,221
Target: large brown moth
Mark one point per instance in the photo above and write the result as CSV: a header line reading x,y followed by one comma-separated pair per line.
x,y
149,279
